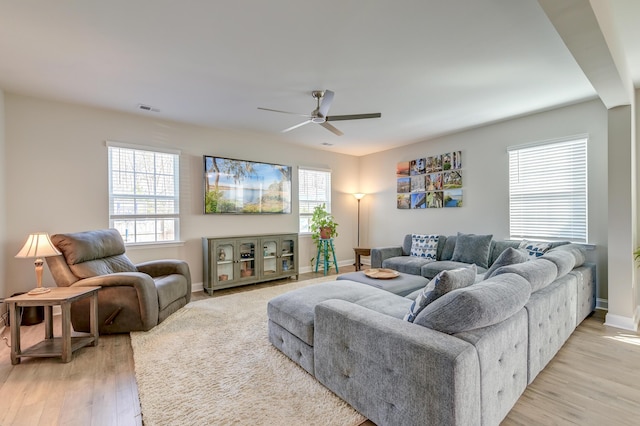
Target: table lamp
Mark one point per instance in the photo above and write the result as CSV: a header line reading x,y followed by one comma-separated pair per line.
x,y
38,245
359,196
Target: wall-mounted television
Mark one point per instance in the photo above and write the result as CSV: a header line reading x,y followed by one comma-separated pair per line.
x,y
245,187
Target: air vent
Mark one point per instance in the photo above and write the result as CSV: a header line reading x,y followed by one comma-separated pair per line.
x,y
327,144
149,108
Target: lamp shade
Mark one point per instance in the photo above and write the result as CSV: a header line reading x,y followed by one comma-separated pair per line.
x,y
359,196
38,245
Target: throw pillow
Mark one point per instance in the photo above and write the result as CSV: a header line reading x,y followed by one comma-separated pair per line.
x,y
510,256
534,250
440,285
471,248
477,306
424,246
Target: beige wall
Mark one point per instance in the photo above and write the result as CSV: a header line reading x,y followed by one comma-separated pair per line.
x,y
3,205
485,180
57,180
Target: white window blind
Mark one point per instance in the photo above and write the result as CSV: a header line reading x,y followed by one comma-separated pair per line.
x,y
548,191
144,194
314,189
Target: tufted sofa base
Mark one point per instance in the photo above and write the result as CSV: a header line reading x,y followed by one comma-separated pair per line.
x,y
289,344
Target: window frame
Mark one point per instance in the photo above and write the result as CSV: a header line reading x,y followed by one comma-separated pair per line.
x,y
305,198
136,240
553,204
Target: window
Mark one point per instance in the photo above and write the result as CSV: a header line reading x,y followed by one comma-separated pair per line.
x,y
143,193
314,188
548,190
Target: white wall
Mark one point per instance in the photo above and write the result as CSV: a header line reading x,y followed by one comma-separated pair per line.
x,y
56,168
485,180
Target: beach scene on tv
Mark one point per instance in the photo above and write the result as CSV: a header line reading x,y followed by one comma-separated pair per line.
x,y
246,187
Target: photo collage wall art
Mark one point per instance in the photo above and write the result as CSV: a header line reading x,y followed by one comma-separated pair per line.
x,y
431,182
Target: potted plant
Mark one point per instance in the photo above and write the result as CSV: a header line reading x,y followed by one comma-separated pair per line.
x,y
323,224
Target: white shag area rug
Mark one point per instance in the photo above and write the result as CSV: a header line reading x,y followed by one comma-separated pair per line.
x,y
211,363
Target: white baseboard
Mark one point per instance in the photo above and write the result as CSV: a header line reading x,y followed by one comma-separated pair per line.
x,y
619,321
602,304
196,287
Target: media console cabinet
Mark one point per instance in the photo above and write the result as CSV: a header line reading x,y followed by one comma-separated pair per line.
x,y
240,260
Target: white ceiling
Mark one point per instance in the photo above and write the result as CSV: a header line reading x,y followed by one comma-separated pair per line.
x,y
431,67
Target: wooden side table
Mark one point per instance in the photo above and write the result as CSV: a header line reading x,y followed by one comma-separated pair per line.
x,y
54,346
361,251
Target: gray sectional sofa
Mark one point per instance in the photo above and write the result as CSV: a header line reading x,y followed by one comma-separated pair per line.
x,y
466,358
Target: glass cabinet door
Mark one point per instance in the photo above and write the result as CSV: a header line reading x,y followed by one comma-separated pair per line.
x,y
270,249
224,256
287,259
247,259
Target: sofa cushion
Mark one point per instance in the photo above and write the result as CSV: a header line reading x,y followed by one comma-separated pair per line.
x,y
448,247
401,285
498,246
93,253
424,246
440,285
539,272
534,249
430,270
476,306
81,247
106,266
471,248
576,250
407,264
510,256
388,304
564,261
293,310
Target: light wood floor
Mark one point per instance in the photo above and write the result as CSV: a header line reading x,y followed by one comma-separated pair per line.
x,y
594,380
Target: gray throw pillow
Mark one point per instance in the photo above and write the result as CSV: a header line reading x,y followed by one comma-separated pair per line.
x,y
471,248
510,256
476,306
440,285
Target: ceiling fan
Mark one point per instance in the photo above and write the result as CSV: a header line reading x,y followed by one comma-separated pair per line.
x,y
319,115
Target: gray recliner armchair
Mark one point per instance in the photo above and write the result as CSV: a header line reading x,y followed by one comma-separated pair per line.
x,y
132,297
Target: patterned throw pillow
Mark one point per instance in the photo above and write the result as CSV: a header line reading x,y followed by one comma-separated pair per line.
x,y
424,246
534,250
440,285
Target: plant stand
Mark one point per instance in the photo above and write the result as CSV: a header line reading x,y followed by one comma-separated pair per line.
x,y
323,250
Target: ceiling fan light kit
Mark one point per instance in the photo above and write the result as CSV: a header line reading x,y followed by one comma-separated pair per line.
x,y
320,116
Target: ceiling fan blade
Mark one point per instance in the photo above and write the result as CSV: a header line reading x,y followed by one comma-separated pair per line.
x,y
353,116
331,128
326,103
285,112
296,126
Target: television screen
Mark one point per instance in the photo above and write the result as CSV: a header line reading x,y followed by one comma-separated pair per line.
x,y
245,187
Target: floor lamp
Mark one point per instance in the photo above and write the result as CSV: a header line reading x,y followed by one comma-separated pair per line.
x,y
359,196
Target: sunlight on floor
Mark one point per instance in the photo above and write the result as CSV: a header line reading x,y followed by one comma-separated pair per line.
x,y
632,339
